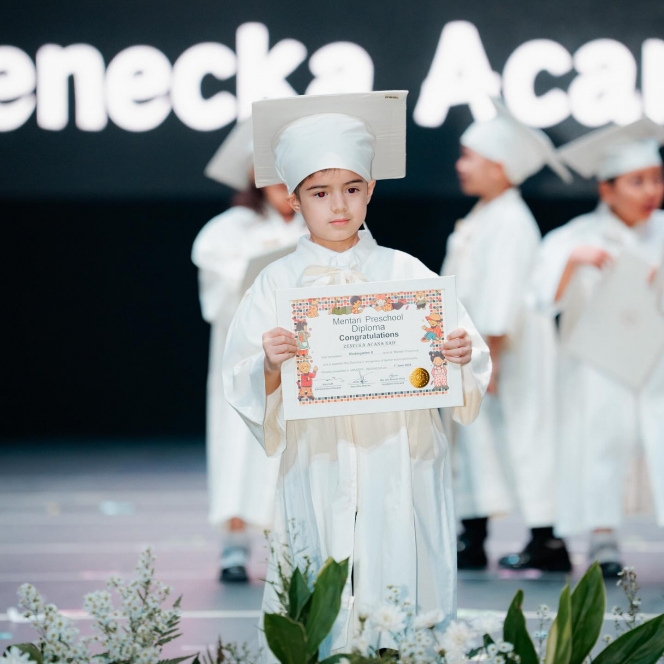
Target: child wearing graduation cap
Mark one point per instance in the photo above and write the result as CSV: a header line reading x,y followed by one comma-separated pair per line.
x,y
605,426
241,480
506,458
371,488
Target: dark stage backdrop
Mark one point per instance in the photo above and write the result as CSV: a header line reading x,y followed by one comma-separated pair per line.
x,y
110,110
102,334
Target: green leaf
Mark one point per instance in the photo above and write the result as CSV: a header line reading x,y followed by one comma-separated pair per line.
x,y
516,633
298,594
642,645
28,649
286,638
334,659
325,602
167,639
559,642
588,608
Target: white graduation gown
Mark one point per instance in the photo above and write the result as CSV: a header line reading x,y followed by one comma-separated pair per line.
x,y
372,488
603,425
506,458
241,480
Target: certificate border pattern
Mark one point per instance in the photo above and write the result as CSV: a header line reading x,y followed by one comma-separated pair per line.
x,y
429,300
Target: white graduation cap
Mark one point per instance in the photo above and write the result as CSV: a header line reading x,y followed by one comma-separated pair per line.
x,y
232,162
613,151
360,132
520,149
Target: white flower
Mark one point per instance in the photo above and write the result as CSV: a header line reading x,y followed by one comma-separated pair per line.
x,y
428,620
423,638
504,646
498,659
15,656
487,623
492,650
389,618
458,636
455,657
361,644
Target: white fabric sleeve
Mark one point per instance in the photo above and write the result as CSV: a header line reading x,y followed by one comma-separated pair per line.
x,y
221,265
476,374
243,368
549,267
506,271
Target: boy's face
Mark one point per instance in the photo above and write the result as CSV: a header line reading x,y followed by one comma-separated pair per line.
x,y
304,367
477,174
333,204
634,196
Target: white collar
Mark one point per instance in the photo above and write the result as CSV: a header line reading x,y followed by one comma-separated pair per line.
x,y
310,253
618,231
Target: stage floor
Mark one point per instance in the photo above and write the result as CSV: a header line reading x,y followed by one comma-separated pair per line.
x,y
72,514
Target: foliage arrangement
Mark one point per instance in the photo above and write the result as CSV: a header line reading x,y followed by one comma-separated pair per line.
x,y
426,638
134,633
138,629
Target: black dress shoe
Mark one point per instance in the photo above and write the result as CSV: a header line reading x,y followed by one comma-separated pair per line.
x,y
548,556
611,569
236,574
470,555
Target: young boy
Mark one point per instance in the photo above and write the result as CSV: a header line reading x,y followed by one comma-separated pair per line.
x,y
605,426
507,457
371,488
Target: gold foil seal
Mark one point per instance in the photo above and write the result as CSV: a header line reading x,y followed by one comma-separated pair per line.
x,y
419,377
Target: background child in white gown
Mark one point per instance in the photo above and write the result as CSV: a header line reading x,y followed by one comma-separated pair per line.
x,y
507,458
606,426
241,480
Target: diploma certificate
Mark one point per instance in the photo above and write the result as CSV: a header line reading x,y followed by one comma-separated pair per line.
x,y
369,348
621,331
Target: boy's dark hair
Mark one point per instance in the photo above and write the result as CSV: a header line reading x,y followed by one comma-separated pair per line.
x,y
355,298
433,354
300,325
252,198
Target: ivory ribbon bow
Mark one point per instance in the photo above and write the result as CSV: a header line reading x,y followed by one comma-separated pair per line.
x,y
327,275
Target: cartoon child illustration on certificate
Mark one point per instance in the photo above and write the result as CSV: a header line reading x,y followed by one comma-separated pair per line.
x,y
302,338
305,380
433,332
439,371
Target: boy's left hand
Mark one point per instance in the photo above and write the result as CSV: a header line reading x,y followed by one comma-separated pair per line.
x,y
458,347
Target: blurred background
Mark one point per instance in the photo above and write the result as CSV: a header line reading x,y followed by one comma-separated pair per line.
x,y
109,112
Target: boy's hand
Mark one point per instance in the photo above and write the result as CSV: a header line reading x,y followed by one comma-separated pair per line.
x,y
587,255
652,275
279,345
458,347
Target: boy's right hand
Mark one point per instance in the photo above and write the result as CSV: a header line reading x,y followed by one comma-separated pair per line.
x,y
279,345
